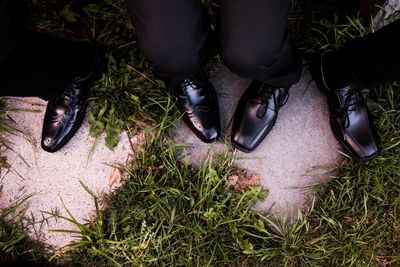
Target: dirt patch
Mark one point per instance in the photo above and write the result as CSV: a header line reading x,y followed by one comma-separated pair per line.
x,y
241,180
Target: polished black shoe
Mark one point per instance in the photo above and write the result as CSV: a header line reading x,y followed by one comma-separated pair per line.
x,y
350,119
197,98
65,113
256,114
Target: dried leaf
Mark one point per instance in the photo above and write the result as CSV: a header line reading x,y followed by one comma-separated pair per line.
x,y
115,177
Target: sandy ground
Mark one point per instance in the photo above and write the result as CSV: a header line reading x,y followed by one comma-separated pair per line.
x,y
51,177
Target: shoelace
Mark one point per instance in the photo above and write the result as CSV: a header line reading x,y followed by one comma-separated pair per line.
x,y
350,104
267,92
182,93
72,90
195,85
351,100
67,97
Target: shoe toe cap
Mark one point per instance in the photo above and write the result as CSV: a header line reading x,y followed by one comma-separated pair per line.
x,y
49,144
363,146
246,142
249,130
210,135
204,125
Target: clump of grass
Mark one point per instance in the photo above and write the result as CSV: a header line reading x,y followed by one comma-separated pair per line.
x,y
107,22
16,248
7,126
127,97
172,214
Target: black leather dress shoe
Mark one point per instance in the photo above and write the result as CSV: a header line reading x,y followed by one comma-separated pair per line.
x,y
256,114
350,119
65,113
197,98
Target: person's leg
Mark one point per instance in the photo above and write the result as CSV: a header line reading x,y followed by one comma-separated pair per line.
x,y
12,25
33,64
174,36
41,65
17,70
255,44
363,62
368,61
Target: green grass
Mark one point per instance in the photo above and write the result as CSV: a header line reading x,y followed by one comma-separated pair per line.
x,y
169,213
16,248
6,126
125,97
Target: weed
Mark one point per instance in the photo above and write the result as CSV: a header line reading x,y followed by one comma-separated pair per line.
x,y
15,245
127,96
7,125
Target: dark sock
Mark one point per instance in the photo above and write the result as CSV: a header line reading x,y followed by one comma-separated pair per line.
x,y
335,73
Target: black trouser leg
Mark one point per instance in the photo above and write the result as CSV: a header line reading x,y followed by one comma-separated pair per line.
x,y
255,42
33,64
173,34
373,59
12,24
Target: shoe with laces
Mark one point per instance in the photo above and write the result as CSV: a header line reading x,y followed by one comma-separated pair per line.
x,y
65,112
256,114
196,97
350,119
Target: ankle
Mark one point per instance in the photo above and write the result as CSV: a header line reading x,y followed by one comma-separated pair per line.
x,y
334,72
172,83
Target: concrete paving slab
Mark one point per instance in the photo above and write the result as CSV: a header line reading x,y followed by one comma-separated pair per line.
x,y
387,13
52,176
298,152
